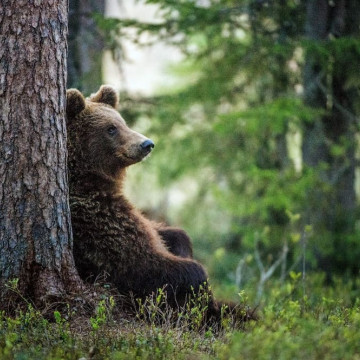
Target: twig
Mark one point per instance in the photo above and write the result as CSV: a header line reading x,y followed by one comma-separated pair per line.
x,y
266,274
239,271
303,243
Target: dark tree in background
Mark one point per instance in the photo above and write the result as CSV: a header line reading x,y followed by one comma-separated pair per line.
x,y
86,45
35,227
329,146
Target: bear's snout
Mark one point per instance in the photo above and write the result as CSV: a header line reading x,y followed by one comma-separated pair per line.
x,y
147,146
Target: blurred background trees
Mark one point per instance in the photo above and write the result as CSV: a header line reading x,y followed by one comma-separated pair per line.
x,y
257,143
86,45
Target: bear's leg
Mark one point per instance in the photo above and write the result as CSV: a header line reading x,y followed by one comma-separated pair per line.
x,y
179,277
177,241
184,281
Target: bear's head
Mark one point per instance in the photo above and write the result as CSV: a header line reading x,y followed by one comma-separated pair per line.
x,y
100,144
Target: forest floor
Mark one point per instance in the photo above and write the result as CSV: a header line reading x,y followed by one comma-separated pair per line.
x,y
323,324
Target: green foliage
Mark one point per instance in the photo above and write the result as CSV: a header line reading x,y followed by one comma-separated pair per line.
x,y
291,336
103,313
30,336
193,316
321,323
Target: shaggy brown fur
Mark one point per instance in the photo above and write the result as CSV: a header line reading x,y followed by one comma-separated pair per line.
x,y
109,233
177,241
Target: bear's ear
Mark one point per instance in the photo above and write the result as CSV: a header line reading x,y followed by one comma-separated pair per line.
x,y
106,95
75,102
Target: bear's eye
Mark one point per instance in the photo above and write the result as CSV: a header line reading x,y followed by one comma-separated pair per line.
x,y
112,130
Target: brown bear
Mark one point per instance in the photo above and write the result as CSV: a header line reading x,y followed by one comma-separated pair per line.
x,y
109,233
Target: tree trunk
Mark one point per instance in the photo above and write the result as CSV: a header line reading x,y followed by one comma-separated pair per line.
x,y
86,45
35,228
325,87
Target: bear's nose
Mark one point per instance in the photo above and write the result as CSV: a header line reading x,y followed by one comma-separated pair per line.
x,y
147,145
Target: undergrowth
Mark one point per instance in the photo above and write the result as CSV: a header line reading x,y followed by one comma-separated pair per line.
x,y
319,323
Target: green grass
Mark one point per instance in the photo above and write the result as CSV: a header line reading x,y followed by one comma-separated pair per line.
x,y
296,322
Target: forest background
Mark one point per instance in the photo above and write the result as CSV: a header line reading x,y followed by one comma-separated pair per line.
x,y
257,142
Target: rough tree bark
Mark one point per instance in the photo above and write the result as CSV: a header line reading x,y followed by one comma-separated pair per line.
x,y
86,45
326,87
35,227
